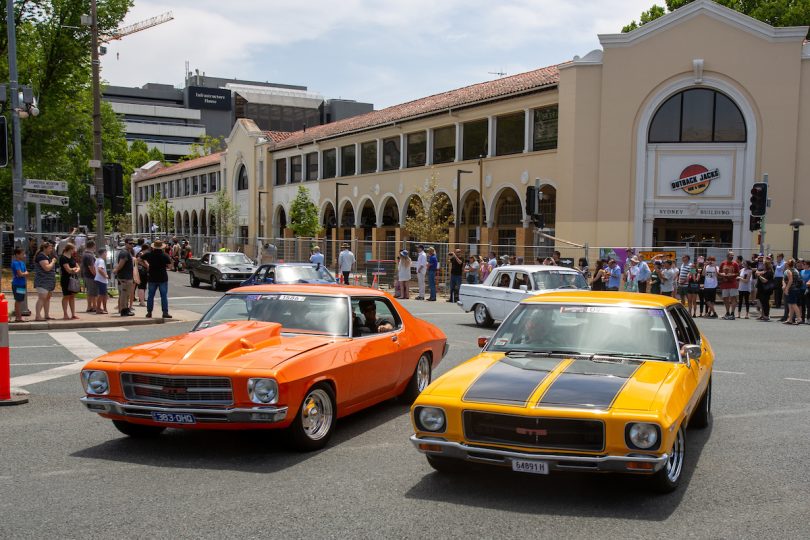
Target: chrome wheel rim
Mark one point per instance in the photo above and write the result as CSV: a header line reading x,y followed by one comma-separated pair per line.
x,y
480,313
214,283
317,414
190,278
675,461
422,373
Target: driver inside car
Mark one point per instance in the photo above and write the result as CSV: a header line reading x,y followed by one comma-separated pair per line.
x,y
374,324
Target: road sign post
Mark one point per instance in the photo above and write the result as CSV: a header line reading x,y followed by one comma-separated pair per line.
x,y
43,198
52,185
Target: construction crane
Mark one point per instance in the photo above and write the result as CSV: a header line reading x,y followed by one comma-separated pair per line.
x,y
136,27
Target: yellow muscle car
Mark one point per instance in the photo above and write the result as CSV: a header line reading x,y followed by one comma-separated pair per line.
x,y
575,381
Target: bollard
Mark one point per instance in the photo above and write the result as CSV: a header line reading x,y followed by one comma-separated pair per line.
x,y
5,369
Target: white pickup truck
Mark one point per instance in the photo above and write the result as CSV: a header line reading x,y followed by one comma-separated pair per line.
x,y
506,286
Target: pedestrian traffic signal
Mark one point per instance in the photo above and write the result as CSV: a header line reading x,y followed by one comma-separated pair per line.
x,y
113,174
754,223
759,199
533,197
3,142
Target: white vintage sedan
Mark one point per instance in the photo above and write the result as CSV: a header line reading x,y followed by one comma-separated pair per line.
x,y
507,286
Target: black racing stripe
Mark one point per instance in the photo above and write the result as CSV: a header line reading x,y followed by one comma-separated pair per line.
x,y
511,381
589,384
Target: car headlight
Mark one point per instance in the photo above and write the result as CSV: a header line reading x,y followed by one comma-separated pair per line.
x,y
225,276
95,382
430,419
643,436
263,391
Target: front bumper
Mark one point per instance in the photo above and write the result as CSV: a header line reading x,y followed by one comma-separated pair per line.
x,y
261,415
560,462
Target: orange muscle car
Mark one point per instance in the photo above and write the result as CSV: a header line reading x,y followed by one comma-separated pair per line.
x,y
270,356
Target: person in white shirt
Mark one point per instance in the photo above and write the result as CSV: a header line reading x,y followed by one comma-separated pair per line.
x,y
101,280
317,256
346,262
421,270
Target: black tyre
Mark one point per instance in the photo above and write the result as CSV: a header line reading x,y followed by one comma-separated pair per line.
x,y
702,415
138,431
482,316
419,380
193,280
446,465
214,283
669,477
315,420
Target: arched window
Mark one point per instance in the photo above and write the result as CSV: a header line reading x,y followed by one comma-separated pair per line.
x,y
242,181
697,115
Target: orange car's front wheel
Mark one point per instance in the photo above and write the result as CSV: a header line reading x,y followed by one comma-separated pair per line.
x,y
315,420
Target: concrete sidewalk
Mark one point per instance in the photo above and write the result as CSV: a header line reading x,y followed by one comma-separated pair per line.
x,y
91,320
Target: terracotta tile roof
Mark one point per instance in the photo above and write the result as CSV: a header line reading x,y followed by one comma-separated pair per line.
x,y
278,136
196,163
522,82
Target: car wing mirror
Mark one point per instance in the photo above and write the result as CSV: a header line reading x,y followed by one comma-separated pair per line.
x,y
482,341
691,352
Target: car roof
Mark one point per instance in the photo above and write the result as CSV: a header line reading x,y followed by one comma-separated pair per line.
x,y
329,290
290,264
623,299
534,268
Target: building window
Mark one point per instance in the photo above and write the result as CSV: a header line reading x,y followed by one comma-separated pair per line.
x,y
507,240
368,157
204,183
295,169
186,186
545,128
417,149
510,133
391,154
444,144
697,115
329,163
242,181
195,185
281,172
348,165
312,166
475,141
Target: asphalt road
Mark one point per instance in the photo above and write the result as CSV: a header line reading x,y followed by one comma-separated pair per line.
x,y
67,473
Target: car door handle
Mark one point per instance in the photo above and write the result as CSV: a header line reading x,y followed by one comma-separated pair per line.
x,y
394,338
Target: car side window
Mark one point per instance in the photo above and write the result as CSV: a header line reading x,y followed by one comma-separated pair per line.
x,y
682,330
691,327
504,279
373,316
521,279
205,259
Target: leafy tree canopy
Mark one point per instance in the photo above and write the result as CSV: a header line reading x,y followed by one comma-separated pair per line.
x,y
430,215
304,215
773,12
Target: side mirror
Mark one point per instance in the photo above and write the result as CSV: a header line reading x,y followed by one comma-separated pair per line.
x,y
482,341
524,288
691,352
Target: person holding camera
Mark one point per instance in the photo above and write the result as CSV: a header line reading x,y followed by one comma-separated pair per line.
x,y
456,272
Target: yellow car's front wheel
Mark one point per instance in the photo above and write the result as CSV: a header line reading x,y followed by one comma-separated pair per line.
x,y
668,478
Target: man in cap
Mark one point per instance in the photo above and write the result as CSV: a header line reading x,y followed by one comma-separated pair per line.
x,y
345,262
157,262
374,324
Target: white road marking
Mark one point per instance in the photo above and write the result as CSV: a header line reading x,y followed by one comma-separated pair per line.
x,y
755,414
795,379
88,331
43,364
728,372
440,313
191,304
212,298
76,344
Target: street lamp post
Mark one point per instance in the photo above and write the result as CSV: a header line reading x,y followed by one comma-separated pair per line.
x,y
16,170
795,224
98,174
259,228
457,220
205,213
337,186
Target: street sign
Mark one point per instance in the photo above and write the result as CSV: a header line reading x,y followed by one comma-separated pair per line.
x,y
94,164
54,200
54,185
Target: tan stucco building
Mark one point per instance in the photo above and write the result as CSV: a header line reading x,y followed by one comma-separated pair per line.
x,y
654,140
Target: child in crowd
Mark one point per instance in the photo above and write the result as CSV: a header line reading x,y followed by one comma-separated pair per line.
x,y
19,283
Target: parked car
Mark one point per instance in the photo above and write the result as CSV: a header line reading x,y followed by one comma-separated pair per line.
x,y
220,268
290,273
582,381
507,286
294,357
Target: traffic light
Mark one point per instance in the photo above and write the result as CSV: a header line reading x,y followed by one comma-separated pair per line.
x,y
754,223
533,197
3,142
759,199
113,174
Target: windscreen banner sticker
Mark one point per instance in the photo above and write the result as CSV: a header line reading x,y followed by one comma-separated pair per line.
x,y
609,310
501,341
291,298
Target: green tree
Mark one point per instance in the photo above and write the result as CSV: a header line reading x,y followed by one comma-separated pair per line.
x,y
226,214
430,215
53,56
304,215
160,211
773,12
206,146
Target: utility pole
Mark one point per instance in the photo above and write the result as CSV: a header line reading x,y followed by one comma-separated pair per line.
x,y
19,210
98,174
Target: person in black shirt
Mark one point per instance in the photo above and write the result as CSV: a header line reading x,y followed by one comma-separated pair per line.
x,y
456,272
68,268
157,262
124,270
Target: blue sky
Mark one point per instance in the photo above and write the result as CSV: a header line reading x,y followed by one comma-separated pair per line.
x,y
380,51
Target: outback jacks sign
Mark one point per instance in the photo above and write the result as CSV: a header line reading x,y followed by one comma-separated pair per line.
x,y
695,179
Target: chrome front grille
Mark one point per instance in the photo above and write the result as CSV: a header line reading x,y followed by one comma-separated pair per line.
x,y
148,388
535,432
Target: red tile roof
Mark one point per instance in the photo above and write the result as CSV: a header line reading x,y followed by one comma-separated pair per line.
x,y
195,163
522,82
278,136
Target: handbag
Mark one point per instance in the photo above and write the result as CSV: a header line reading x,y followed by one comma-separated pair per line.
x,y
73,284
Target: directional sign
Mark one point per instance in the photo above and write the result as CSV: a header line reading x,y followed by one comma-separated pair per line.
x,y
54,185
55,200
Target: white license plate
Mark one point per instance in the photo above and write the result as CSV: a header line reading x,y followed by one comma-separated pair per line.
x,y
173,418
534,467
